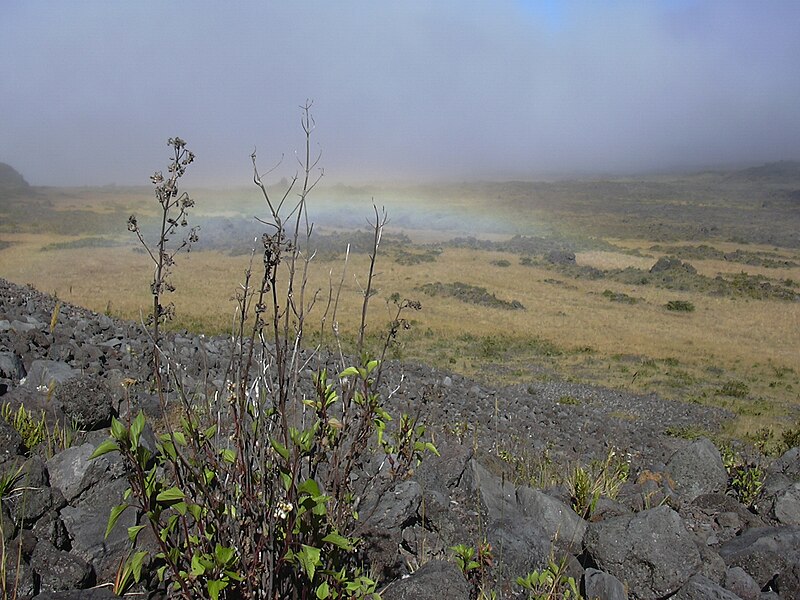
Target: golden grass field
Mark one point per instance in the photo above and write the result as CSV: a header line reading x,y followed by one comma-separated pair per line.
x,y
568,328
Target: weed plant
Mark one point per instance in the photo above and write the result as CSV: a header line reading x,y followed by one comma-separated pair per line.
x,y
255,493
36,433
601,478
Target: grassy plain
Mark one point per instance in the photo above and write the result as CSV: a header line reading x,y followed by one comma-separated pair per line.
x,y
592,322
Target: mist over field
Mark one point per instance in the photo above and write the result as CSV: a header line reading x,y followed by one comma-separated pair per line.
x,y
444,91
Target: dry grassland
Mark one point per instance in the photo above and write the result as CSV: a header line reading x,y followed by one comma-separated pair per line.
x,y
569,328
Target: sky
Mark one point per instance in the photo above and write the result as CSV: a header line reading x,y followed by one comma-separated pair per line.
x,y
447,90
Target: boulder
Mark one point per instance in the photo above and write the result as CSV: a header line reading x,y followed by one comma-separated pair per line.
x,y
561,257
86,523
786,506
651,552
10,442
740,583
59,570
86,401
11,366
73,472
45,373
435,580
98,593
557,521
697,469
770,555
700,587
597,584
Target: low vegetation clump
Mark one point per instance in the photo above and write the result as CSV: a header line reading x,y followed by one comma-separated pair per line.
x,y
679,306
409,258
734,389
470,294
548,583
620,297
769,260
84,242
745,478
36,433
601,478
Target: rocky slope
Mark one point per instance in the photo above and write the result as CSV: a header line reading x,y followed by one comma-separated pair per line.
x,y
672,531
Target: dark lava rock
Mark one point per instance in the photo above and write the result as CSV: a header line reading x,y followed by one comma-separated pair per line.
x,y
651,552
597,584
770,555
86,401
11,366
702,588
435,580
561,257
10,442
740,583
59,570
697,469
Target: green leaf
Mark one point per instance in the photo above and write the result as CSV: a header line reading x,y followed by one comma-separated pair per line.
x,y
198,565
309,558
195,510
348,372
223,554
118,430
104,448
215,586
133,532
136,428
168,448
209,475
323,591
135,564
228,455
310,487
210,432
279,448
339,540
114,517
173,494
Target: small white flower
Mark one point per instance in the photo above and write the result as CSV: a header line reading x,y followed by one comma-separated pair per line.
x,y
282,510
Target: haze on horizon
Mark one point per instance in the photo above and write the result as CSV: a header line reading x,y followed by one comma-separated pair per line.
x,y
411,90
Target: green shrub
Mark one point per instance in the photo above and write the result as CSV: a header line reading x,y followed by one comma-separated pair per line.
x,y
734,389
791,437
680,306
601,478
620,297
253,494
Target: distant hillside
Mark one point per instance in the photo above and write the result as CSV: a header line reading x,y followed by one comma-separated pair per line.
x,y
10,179
784,171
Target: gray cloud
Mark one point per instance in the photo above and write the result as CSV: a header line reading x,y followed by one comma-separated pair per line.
x,y
444,90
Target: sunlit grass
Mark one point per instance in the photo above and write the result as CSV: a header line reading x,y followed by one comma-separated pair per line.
x,y
568,329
